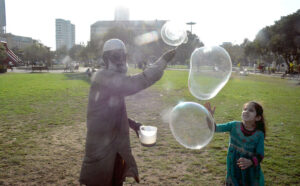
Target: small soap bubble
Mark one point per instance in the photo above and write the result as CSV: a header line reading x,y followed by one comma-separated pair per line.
x,y
210,70
192,125
174,33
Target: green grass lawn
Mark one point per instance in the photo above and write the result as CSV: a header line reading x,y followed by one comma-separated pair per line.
x,y
281,101
36,107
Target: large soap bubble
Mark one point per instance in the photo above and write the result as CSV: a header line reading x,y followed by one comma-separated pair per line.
x,y
210,70
192,125
173,33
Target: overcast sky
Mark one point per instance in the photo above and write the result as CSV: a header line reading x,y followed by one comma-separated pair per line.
x,y
217,20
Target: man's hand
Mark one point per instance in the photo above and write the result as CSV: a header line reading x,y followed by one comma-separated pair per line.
x,y
138,129
169,55
135,126
244,163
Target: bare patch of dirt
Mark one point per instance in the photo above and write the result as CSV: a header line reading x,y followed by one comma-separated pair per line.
x,y
56,161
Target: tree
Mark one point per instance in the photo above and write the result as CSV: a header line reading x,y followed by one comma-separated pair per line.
x,y
281,39
75,52
185,50
236,52
37,53
88,53
285,37
61,53
19,52
3,54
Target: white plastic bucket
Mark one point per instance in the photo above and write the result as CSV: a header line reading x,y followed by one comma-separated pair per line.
x,y
147,135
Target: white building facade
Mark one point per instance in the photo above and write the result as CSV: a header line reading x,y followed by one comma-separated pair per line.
x,y
65,34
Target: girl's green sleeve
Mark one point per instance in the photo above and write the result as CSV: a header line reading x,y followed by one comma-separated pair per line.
x,y
225,127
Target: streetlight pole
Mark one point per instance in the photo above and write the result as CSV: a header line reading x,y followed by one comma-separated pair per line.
x,y
191,23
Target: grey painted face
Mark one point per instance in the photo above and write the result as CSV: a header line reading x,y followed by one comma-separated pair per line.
x,y
120,68
117,61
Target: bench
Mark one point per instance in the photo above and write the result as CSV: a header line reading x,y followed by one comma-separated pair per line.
x,y
39,68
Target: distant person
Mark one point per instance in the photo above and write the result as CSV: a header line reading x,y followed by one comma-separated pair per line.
x,y
291,68
239,66
11,66
76,67
89,72
273,66
67,67
108,159
269,69
246,145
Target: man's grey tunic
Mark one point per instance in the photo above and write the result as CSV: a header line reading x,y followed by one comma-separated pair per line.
x,y
107,122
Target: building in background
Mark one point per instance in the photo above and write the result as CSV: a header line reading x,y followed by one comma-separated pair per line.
x,y
2,17
121,19
100,28
65,34
14,41
142,32
121,14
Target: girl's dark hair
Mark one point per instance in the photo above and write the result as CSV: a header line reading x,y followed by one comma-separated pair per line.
x,y
261,124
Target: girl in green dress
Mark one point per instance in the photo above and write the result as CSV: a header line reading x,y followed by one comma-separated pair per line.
x,y
246,145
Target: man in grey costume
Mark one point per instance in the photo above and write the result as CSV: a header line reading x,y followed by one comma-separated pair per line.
x,y
108,159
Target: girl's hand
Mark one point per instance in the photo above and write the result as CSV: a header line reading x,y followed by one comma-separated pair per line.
x,y
208,107
244,163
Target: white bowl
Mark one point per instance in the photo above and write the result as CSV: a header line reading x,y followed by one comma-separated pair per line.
x,y
147,135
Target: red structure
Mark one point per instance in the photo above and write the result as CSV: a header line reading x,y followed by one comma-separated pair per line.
x,y
12,59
